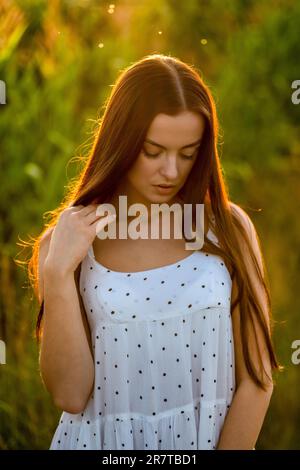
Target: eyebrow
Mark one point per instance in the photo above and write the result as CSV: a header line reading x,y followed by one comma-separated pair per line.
x,y
184,147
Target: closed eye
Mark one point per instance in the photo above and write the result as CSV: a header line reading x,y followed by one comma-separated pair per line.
x,y
184,156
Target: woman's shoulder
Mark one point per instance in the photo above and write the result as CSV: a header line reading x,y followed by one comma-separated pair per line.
x,y
239,213
236,209
251,232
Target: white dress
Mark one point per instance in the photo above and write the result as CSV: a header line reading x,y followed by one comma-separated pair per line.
x,y
163,353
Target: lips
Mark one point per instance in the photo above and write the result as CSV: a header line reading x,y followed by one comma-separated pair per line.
x,y
164,189
165,185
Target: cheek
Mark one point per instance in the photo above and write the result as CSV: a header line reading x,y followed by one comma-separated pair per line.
x,y
186,171
142,170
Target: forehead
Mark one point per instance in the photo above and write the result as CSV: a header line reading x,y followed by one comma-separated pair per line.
x,y
180,130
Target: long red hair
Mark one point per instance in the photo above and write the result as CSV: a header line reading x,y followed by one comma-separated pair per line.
x,y
163,84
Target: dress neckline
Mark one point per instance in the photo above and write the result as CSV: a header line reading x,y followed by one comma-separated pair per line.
x,y
101,266
159,268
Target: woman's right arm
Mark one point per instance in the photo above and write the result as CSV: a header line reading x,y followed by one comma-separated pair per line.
x,y
66,361
66,358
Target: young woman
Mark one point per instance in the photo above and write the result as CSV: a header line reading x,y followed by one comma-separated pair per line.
x,y
145,345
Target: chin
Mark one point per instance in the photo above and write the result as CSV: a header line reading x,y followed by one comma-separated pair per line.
x,y
161,198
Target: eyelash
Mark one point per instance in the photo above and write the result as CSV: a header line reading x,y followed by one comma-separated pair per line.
x,y
185,157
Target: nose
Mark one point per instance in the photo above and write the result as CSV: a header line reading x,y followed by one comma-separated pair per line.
x,y
169,169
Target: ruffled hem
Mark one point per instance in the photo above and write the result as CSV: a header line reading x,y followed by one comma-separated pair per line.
x,y
193,427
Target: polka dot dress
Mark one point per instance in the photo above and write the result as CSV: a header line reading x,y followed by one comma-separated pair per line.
x,y
163,354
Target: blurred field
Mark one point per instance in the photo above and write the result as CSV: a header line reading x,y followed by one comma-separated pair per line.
x,y
58,60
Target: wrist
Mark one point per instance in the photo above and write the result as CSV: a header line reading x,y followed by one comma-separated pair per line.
x,y
52,270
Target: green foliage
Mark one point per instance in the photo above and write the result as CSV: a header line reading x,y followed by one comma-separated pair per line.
x,y
57,77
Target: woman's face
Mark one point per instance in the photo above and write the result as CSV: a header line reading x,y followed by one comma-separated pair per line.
x,y
167,157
